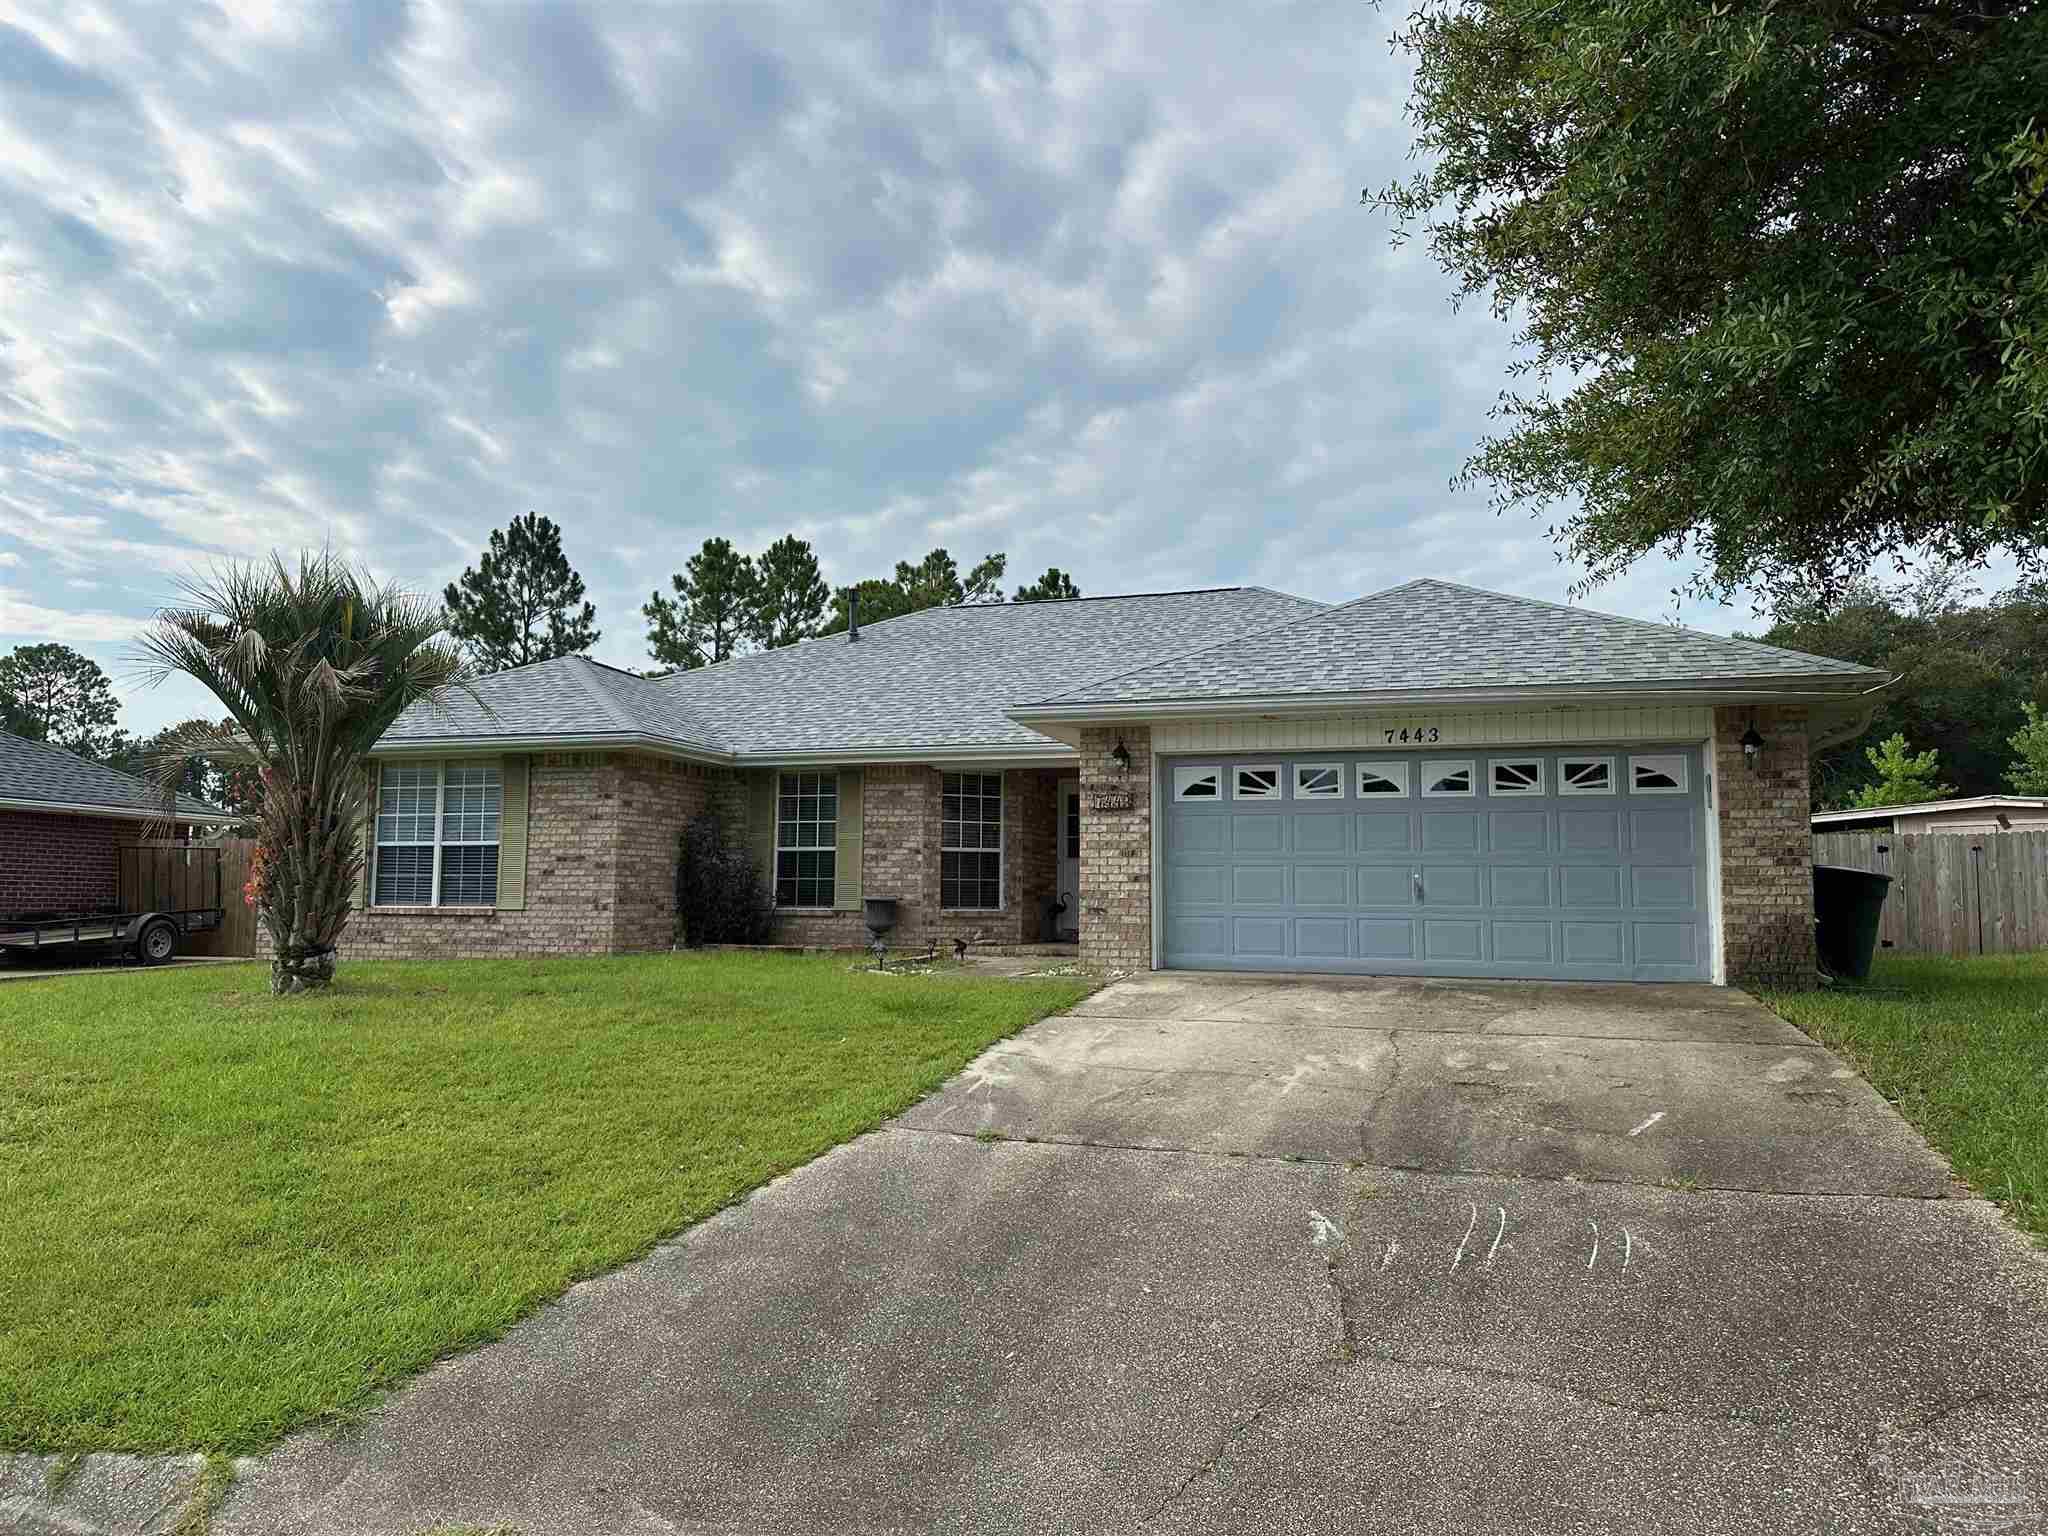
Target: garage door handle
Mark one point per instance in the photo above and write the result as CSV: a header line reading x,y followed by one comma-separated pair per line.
x,y
1418,884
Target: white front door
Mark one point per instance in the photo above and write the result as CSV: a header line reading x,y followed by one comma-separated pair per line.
x,y
1070,855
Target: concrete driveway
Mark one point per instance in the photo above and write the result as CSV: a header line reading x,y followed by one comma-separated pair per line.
x,y
1269,1254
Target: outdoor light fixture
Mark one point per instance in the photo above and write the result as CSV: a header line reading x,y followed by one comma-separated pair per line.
x,y
1121,756
1752,744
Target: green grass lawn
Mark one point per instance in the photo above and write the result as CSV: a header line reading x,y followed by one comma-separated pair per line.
x,y
1961,1046
224,1215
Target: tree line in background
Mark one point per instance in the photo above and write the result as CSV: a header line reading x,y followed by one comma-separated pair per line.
x,y
523,602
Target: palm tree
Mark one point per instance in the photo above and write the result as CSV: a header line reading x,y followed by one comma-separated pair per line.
x,y
312,665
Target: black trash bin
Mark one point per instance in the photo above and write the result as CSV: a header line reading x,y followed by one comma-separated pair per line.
x,y
1847,904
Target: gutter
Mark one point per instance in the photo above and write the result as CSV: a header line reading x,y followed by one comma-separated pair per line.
x,y
1809,689
1053,752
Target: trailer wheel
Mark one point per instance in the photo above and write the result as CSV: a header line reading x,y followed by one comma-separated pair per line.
x,y
158,943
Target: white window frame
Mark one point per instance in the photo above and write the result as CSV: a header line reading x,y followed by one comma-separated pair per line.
x,y
1565,786
1495,791
1395,772
1336,772
1002,859
440,839
800,846
1185,774
1438,767
1278,790
1671,764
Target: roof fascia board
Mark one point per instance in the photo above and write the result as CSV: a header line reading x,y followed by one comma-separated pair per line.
x,y
442,746
114,812
1009,755
1731,691
1938,807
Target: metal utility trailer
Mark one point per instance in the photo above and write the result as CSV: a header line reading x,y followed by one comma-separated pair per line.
x,y
167,892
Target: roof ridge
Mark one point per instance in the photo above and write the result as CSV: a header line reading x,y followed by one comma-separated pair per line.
x,y
1323,610
600,693
1623,618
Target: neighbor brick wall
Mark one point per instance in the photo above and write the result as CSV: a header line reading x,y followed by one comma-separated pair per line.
x,y
1116,851
602,835
1766,848
54,863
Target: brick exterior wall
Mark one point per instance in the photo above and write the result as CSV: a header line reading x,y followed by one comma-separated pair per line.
x,y
1766,849
902,810
602,833
54,863
1116,851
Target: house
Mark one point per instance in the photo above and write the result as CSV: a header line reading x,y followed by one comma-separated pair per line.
x,y
1431,780
63,820
1974,813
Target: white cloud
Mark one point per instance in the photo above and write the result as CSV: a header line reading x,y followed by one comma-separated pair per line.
x,y
24,620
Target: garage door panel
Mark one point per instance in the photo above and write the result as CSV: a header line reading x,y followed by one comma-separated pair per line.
x,y
1385,831
1263,938
1517,886
1253,833
1322,834
1443,831
1661,832
1569,885
1592,943
1322,938
1385,885
1450,885
1322,885
1386,938
1590,885
1258,885
1444,939
1518,831
1522,941
1589,831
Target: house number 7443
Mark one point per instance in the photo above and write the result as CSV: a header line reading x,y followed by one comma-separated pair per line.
x,y
1413,734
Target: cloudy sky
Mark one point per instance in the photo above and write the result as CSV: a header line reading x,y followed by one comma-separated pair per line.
x,y
1087,283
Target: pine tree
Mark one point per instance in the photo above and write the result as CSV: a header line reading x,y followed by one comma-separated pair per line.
x,y
2029,772
711,613
54,694
522,602
1903,778
790,595
1054,586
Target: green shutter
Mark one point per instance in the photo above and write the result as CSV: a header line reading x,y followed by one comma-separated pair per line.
x,y
846,884
761,823
369,838
512,835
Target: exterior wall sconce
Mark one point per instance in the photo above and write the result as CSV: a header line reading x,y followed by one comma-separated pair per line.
x,y
1121,757
1752,744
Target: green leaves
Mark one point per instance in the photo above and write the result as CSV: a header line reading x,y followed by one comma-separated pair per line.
x,y
1779,273
2029,772
1903,777
52,693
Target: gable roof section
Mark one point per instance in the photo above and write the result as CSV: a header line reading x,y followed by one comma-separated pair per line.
x,y
35,774
1429,636
571,701
936,680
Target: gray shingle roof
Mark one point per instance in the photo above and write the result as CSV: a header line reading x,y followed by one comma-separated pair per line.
x,y
1426,635
940,678
36,771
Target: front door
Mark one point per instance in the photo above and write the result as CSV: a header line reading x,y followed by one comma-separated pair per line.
x,y
1070,856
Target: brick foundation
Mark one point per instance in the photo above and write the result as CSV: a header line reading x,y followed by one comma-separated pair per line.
x,y
51,863
1116,851
1766,849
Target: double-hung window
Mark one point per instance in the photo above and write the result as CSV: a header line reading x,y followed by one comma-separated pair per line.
x,y
438,826
806,839
971,842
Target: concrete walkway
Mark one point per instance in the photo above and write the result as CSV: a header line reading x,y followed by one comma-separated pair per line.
x,y
1277,1255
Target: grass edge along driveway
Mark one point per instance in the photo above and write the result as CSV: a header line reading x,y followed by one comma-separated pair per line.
x,y
1960,1045
231,1215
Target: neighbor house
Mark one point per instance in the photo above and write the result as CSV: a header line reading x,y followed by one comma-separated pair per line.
x,y
1429,781
1970,814
63,821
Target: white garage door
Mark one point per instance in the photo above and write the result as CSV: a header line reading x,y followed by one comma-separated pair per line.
x,y
1585,864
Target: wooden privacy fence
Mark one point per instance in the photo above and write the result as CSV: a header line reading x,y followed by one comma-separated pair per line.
x,y
1952,893
169,879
